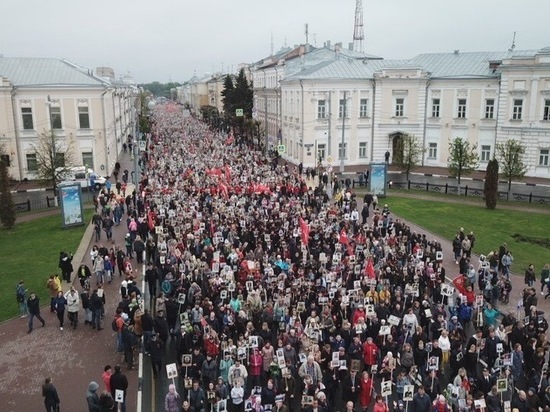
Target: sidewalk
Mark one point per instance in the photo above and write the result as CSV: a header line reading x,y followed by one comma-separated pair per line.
x,y
72,358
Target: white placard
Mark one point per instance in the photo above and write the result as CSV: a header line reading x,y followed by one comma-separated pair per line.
x,y
408,393
119,395
171,371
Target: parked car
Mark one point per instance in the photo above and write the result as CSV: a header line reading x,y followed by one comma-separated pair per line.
x,y
86,178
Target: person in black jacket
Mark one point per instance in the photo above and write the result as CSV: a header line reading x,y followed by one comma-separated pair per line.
x,y
120,382
421,401
66,266
96,306
33,303
51,399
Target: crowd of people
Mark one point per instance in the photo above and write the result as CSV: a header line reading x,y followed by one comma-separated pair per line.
x,y
273,295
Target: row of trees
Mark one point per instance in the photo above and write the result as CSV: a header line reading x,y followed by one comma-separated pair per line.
x,y
463,160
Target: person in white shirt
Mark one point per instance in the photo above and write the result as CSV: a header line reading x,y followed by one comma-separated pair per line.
x,y
237,396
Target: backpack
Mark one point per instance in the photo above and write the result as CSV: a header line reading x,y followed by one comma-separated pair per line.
x,y
114,326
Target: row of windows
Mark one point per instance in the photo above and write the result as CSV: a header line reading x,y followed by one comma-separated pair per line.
x,y
484,155
343,107
56,122
32,164
399,109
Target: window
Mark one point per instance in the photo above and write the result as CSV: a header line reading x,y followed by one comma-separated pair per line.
x,y
32,165
399,107
60,159
461,114
342,150
362,149
432,151
342,108
321,151
517,109
321,109
546,111
88,159
26,113
55,117
5,159
435,107
490,108
544,156
83,117
364,108
485,153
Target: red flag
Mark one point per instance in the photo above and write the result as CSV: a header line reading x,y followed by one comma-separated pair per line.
x,y
151,221
223,191
227,172
305,231
343,239
369,269
459,284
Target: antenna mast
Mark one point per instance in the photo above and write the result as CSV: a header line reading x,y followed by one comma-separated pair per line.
x,y
307,34
513,46
358,34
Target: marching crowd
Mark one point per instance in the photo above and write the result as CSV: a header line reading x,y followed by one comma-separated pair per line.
x,y
274,296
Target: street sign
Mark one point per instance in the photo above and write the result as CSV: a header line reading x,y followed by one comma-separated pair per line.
x,y
281,148
239,112
329,160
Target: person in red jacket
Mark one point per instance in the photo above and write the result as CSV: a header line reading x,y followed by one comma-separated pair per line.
x,y
255,370
365,391
370,353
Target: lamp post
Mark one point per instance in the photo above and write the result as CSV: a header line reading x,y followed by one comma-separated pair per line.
x,y
343,151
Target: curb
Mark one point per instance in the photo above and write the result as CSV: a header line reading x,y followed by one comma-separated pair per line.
x,y
476,179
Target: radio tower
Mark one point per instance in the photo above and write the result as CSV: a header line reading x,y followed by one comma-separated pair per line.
x,y
358,34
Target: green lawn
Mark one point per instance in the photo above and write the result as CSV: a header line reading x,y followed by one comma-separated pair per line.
x,y
31,252
491,227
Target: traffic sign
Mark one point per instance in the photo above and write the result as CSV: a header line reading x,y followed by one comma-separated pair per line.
x,y
329,160
239,112
281,148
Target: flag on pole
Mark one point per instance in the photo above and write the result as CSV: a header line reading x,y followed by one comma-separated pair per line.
x,y
305,231
369,269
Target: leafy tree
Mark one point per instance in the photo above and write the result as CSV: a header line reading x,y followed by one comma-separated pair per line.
x,y
510,155
7,207
158,89
463,158
53,158
490,188
238,94
412,150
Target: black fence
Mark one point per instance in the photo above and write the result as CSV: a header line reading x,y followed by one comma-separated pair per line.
x,y
35,205
466,191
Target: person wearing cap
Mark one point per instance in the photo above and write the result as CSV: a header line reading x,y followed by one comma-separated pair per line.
x,y
279,404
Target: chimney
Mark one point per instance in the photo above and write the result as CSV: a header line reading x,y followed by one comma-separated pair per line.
x,y
328,44
456,51
350,46
337,47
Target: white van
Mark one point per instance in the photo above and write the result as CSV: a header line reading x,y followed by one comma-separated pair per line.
x,y
78,174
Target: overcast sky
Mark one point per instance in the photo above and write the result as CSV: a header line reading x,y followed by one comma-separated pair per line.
x,y
173,39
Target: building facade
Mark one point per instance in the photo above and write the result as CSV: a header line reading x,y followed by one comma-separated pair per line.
x,y
91,115
350,108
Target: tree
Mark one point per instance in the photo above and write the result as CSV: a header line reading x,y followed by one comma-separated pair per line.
x,y
7,207
412,151
463,158
490,188
227,96
510,155
53,158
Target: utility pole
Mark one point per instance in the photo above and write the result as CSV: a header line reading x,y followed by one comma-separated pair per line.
x,y
329,121
342,160
358,33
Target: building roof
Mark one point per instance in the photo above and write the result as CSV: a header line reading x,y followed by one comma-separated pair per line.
x,y
31,71
330,65
461,65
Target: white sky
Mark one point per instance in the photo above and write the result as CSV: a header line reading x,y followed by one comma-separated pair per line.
x,y
171,39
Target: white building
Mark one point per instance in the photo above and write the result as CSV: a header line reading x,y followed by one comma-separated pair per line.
x,y
94,114
486,97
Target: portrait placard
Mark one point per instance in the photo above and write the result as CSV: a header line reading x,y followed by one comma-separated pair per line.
x,y
408,393
386,388
172,371
439,256
394,320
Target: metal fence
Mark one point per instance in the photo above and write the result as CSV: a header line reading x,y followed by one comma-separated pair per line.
x,y
35,205
466,191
